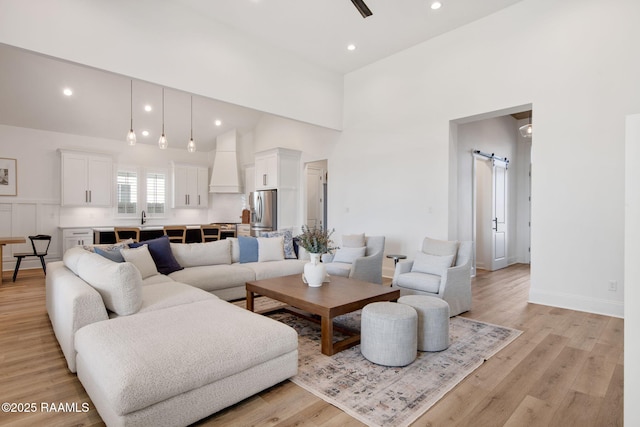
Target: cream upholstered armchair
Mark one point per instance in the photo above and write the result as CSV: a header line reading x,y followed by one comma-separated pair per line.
x,y
359,257
441,269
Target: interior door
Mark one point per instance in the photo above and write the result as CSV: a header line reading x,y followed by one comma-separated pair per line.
x,y
315,197
499,239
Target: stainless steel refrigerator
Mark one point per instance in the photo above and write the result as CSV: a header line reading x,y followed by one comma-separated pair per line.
x,y
264,211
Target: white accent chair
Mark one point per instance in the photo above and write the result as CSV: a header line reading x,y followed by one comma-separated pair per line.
x,y
441,269
367,268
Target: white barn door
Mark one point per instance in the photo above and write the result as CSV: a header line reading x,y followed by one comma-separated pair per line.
x,y
499,222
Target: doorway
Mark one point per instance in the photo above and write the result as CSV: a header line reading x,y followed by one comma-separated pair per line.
x,y
496,134
316,194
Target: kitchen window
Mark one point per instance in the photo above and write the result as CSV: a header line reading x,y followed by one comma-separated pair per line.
x,y
156,194
140,190
127,183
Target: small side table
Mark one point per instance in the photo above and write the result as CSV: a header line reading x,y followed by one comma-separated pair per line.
x,y
396,258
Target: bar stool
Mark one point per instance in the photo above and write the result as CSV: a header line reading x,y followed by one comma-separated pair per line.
x,y
176,233
124,233
210,233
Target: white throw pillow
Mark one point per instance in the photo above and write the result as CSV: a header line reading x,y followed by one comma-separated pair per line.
x,y
119,284
348,255
270,249
353,240
440,248
141,258
235,249
197,254
431,264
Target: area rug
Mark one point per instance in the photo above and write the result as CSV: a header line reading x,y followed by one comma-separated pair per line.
x,y
384,396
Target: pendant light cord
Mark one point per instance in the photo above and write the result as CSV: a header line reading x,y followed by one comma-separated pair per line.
x,y
131,104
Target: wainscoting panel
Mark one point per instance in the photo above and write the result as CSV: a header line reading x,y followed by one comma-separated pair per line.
x,y
26,218
5,220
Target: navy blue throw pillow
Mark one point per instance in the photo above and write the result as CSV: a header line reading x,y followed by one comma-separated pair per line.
x,y
248,249
160,250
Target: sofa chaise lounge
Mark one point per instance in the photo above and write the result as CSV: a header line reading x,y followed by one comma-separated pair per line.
x,y
156,349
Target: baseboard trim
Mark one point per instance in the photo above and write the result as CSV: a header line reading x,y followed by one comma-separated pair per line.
x,y
577,302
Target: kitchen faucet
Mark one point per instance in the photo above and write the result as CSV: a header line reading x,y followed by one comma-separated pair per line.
x,y
144,218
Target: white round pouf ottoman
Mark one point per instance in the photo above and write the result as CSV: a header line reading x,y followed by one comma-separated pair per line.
x,y
388,333
433,321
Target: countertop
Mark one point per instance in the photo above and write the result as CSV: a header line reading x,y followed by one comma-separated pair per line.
x,y
225,225
108,228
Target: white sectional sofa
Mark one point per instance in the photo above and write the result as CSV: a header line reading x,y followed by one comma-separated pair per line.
x,y
156,349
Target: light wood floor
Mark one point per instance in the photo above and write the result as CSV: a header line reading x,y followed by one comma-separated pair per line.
x,y
566,369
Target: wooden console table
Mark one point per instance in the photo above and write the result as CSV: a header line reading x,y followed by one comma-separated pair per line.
x,y
8,241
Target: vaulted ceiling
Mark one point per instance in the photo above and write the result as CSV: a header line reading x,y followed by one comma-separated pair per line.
x,y
317,31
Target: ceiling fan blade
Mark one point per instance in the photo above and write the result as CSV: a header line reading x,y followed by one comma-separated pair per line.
x,y
362,8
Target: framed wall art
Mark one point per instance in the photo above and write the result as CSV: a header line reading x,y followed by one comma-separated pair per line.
x,y
8,177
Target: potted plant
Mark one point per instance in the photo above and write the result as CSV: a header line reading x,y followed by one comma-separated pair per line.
x,y
316,241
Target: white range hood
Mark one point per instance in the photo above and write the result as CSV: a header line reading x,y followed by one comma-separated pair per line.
x,y
225,177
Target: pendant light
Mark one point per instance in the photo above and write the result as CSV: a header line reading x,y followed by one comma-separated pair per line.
x,y
527,130
131,136
191,146
162,142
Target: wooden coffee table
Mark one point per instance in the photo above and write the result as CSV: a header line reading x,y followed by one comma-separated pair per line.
x,y
340,296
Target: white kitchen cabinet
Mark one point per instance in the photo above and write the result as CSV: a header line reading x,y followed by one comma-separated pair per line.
x,y
266,170
190,186
72,237
87,179
277,168
203,187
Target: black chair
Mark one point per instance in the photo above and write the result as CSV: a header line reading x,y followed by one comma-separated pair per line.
x,y
39,253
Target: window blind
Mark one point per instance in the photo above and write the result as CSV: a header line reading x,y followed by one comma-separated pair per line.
x,y
127,192
156,194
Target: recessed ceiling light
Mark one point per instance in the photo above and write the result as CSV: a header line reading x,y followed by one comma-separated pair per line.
x,y
218,122
67,91
436,5
351,47
147,108
145,133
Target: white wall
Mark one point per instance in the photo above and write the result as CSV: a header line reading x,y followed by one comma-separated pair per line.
x,y
523,196
168,44
632,273
569,59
